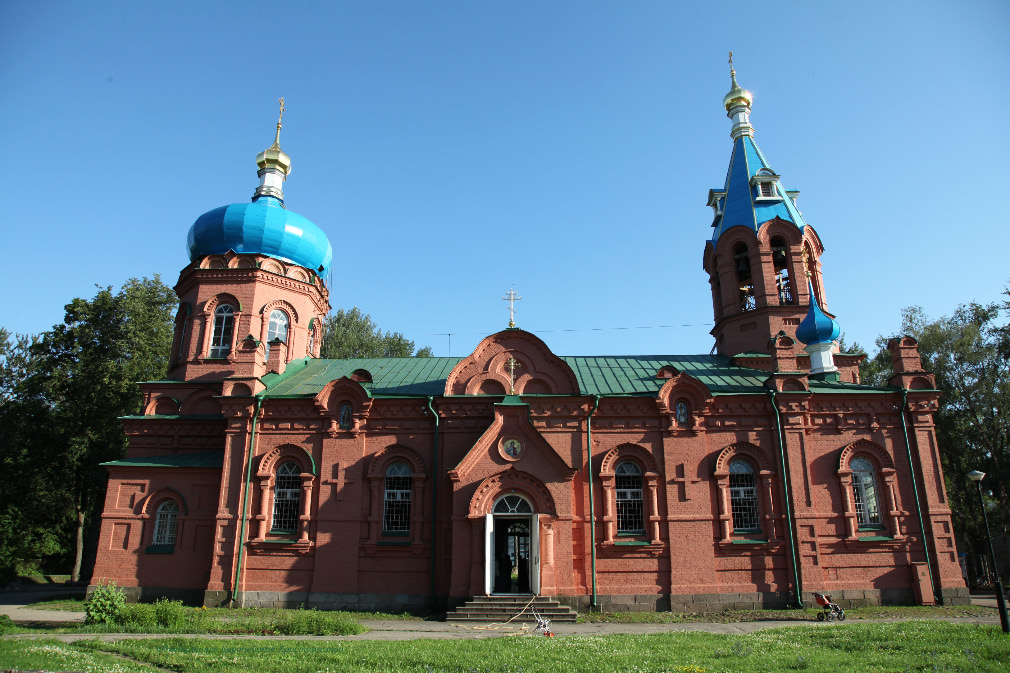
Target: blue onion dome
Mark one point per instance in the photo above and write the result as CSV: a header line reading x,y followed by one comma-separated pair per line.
x,y
265,226
262,227
817,327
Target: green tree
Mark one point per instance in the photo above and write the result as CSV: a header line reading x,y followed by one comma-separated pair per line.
x,y
352,334
62,420
31,526
969,354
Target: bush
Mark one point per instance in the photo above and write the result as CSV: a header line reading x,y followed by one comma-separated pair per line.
x,y
6,623
104,605
170,614
137,617
316,623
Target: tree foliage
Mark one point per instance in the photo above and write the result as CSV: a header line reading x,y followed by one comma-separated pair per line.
x,y
61,396
969,354
353,334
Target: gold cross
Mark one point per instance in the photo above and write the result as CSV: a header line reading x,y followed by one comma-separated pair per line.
x,y
512,364
281,116
511,297
731,62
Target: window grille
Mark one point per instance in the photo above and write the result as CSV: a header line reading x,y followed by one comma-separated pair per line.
x,y
277,329
767,189
512,504
743,496
287,498
864,492
166,522
396,510
224,326
630,508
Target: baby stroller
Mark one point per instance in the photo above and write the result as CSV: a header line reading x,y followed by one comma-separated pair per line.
x,y
830,610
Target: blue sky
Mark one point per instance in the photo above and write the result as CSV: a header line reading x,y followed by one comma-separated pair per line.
x,y
452,150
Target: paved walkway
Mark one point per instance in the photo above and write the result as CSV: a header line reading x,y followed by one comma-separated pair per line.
x,y
17,606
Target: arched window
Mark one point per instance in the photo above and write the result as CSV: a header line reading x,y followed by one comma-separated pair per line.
x,y
396,508
630,507
277,329
780,260
166,522
743,496
224,328
745,280
683,414
810,268
512,504
287,498
312,343
864,493
183,321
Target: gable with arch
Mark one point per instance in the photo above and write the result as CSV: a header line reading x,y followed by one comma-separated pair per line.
x,y
537,371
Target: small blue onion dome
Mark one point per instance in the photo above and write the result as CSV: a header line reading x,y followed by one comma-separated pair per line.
x,y
817,327
262,227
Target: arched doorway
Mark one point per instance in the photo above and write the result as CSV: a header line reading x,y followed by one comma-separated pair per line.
x,y
512,547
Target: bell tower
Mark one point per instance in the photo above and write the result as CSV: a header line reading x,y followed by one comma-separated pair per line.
x,y
253,297
762,251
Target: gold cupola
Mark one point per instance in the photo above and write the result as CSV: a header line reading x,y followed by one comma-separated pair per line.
x,y
737,95
274,166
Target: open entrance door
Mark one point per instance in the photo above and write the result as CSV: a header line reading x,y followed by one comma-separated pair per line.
x,y
512,548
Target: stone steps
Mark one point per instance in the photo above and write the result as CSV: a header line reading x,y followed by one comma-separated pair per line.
x,y
518,609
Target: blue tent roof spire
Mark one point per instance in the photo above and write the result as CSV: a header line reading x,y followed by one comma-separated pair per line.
x,y
752,194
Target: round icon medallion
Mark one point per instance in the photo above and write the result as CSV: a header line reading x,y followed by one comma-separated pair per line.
x,y
510,448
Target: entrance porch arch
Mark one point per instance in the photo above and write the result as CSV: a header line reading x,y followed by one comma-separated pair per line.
x,y
508,482
513,505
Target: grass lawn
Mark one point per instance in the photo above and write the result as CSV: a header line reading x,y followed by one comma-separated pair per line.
x,y
806,614
67,603
904,646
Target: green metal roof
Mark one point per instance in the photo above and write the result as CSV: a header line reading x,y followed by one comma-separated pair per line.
x,y
390,376
213,459
600,375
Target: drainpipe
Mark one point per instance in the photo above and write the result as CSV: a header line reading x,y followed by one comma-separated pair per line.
x,y
915,492
245,498
592,512
787,489
434,500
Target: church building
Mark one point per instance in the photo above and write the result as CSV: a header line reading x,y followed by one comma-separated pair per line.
x,y
261,474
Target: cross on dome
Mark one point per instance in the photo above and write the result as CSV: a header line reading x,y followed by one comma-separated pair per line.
x,y
512,297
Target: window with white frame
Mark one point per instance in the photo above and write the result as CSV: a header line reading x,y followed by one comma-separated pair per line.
x,y
743,496
630,505
287,498
864,493
166,522
277,329
396,504
224,328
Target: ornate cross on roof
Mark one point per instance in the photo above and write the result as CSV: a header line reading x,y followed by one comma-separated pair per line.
x,y
512,364
281,116
511,297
